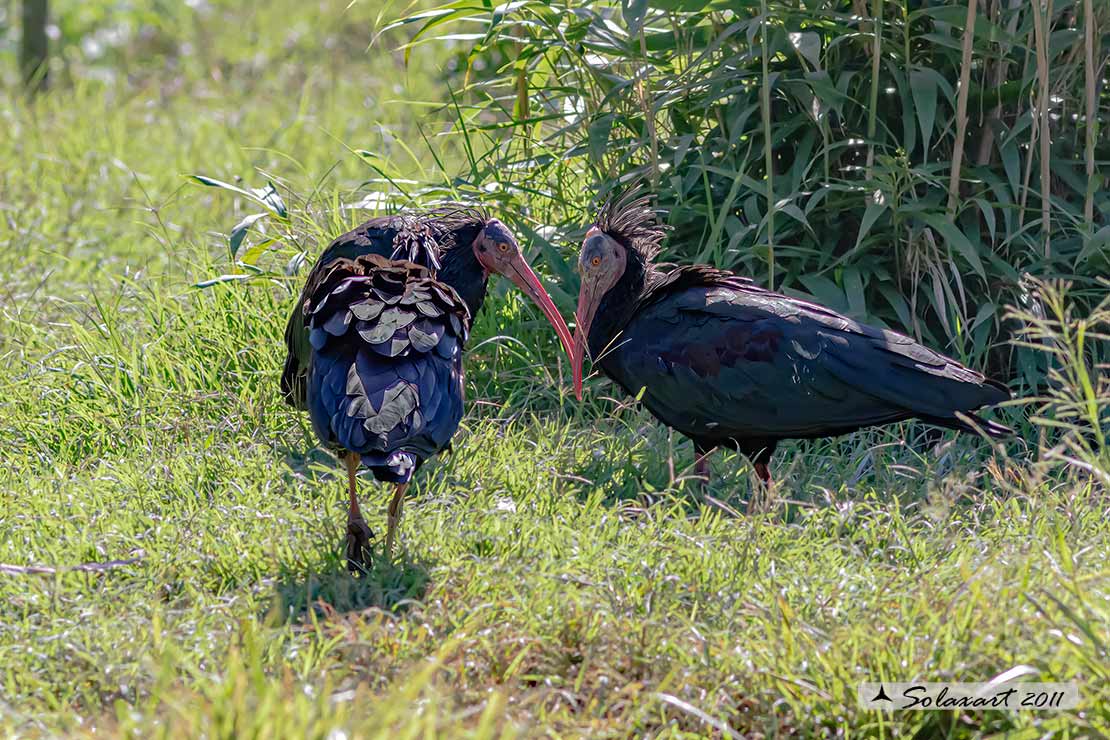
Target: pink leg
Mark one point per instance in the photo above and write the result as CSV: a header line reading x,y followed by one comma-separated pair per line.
x,y
358,533
701,467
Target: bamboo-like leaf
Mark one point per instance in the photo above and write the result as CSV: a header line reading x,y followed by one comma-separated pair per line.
x,y
214,183
808,45
957,240
267,197
239,232
633,12
870,216
825,291
924,86
231,278
1011,162
598,136
252,255
897,302
853,291
988,216
1098,243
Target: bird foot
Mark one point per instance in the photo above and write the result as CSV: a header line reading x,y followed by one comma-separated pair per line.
x,y
359,554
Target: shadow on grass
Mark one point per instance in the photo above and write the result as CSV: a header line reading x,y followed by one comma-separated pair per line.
x,y
647,467
312,463
331,589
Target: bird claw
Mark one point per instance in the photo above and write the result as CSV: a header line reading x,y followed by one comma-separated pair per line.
x,y
359,554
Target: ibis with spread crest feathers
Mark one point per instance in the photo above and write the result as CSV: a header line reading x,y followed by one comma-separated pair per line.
x,y
375,343
730,364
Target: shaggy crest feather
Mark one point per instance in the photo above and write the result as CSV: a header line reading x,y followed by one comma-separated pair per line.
x,y
448,217
416,242
428,234
629,218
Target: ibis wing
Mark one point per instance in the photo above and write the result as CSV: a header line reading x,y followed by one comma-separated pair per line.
x,y
376,236
385,375
733,361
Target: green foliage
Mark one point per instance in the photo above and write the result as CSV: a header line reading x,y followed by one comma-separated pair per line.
x,y
843,115
561,575
1074,405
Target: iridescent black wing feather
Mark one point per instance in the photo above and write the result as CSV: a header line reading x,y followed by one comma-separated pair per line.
x,y
726,362
418,238
376,236
384,376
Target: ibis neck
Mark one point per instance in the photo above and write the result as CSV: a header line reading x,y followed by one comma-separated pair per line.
x,y
461,270
618,306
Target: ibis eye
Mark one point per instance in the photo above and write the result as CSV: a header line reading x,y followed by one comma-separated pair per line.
x,y
503,247
595,261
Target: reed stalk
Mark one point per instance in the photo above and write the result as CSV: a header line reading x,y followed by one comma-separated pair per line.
x,y
961,109
768,154
1090,74
876,58
1042,15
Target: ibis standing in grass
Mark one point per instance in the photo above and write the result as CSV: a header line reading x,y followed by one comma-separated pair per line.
x,y
375,343
730,364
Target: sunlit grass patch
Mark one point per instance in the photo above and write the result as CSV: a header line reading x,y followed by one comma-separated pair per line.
x,y
560,570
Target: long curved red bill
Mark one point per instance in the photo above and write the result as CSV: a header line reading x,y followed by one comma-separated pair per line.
x,y
583,317
524,278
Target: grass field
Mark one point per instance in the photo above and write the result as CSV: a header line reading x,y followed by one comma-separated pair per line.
x,y
560,574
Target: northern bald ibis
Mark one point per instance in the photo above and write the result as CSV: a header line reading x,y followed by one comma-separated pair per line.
x,y
375,343
730,364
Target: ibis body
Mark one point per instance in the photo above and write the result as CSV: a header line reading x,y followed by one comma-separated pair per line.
x,y
375,342
730,364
